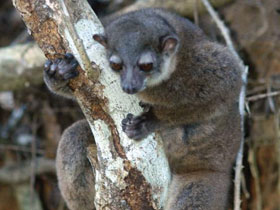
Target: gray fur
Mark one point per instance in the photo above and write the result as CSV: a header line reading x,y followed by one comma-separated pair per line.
x,y
74,172
194,103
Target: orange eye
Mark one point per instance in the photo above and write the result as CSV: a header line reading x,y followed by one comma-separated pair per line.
x,y
116,66
146,66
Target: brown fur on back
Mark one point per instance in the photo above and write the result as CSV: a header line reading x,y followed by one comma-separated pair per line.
x,y
199,103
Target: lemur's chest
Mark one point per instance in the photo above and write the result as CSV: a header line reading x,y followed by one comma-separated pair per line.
x,y
167,94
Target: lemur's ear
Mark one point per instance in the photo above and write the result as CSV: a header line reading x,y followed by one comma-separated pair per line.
x,y
169,44
101,39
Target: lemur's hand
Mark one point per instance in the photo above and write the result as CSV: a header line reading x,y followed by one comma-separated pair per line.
x,y
58,72
136,127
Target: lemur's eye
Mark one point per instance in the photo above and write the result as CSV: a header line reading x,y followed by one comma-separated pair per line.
x,y
145,62
116,63
116,66
146,66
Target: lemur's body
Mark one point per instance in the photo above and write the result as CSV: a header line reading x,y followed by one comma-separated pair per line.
x,y
192,86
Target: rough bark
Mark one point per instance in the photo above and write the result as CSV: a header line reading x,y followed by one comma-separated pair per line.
x,y
129,175
20,66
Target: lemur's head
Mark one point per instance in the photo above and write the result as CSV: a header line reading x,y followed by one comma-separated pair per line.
x,y
141,47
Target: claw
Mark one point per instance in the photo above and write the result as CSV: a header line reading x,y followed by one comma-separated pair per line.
x,y
139,119
125,121
52,69
68,56
70,75
47,65
74,64
129,116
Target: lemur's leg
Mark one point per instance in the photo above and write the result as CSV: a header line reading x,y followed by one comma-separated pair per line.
x,y
74,171
200,190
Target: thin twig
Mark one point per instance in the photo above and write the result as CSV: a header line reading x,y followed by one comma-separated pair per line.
x,y
277,127
247,108
255,173
269,98
264,26
244,187
257,89
225,32
195,12
33,160
262,96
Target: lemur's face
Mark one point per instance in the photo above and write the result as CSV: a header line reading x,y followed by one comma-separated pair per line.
x,y
140,65
141,54
135,73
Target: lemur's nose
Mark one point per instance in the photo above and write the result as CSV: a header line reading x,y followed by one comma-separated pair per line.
x,y
129,88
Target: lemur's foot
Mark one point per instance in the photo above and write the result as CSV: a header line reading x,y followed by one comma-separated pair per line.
x,y
136,127
62,69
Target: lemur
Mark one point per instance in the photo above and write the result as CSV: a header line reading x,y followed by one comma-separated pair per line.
x,y
191,86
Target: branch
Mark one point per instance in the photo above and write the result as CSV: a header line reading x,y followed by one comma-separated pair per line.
x,y
21,172
20,66
129,175
183,7
238,167
262,96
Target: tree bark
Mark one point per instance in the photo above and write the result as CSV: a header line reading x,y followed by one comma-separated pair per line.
x,y
20,66
129,175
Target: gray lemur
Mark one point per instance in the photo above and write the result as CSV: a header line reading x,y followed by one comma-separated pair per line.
x,y
191,86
